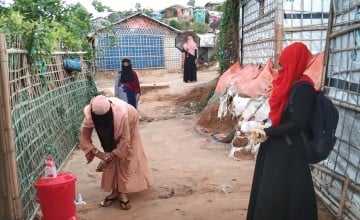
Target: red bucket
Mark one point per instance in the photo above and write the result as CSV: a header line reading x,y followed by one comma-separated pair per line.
x,y
56,197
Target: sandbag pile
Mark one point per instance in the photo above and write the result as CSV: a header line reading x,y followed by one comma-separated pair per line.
x,y
243,94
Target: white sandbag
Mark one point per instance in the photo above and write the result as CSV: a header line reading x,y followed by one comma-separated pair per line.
x,y
239,104
252,108
263,112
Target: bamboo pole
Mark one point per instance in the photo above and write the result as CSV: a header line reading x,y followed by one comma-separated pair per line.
x,y
343,199
327,46
8,173
279,32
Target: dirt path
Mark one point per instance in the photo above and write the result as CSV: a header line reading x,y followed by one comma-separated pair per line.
x,y
194,178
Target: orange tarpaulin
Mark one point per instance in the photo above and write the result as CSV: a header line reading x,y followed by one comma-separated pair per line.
x,y
251,81
261,85
236,75
314,71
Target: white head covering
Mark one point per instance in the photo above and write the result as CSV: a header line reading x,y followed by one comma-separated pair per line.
x,y
100,105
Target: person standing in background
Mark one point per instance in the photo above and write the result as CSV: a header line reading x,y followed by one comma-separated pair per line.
x,y
189,57
127,86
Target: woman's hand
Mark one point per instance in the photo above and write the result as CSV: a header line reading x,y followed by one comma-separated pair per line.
x,y
101,166
138,97
109,156
101,155
89,157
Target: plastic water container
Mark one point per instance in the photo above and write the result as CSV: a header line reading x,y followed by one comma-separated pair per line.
x,y
56,197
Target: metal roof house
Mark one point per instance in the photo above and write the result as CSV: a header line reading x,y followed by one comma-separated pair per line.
x,y
149,43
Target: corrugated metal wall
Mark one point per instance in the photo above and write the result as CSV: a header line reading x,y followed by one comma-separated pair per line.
x,y
265,28
147,43
338,178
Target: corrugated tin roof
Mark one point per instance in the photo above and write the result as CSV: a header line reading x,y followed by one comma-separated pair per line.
x,y
137,24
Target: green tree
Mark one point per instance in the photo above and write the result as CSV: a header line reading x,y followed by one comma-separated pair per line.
x,y
51,10
227,43
118,15
77,22
221,7
99,7
176,24
138,7
44,34
148,11
199,27
3,8
191,3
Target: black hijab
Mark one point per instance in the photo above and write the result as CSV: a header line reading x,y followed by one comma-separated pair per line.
x,y
126,72
104,126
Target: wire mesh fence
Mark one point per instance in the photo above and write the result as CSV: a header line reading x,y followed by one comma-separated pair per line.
x,y
47,108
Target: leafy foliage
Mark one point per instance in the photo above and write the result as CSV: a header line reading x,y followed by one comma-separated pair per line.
x,y
46,25
191,3
227,45
176,24
99,7
118,15
34,9
138,7
199,27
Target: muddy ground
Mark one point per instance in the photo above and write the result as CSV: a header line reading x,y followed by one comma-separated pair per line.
x,y
193,176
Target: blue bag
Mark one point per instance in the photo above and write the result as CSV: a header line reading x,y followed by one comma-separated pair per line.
x,y
72,64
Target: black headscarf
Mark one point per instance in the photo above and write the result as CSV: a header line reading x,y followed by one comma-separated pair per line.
x,y
104,126
126,72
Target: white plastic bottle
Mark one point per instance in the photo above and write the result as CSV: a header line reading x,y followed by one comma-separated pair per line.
x,y
50,168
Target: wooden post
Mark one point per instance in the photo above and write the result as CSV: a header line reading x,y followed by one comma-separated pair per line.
x,y
241,35
279,32
343,199
327,46
9,190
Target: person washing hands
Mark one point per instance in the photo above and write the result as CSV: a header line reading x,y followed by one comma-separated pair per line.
x,y
123,163
282,187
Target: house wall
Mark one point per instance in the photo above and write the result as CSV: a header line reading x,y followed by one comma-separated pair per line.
x,y
342,85
147,43
172,54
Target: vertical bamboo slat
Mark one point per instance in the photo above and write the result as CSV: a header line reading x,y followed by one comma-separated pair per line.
x,y
8,174
278,31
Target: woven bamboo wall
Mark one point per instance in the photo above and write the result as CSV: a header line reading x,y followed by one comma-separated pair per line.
x,y
338,178
257,32
266,28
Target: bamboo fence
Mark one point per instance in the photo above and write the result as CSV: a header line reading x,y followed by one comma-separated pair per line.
x,y
43,111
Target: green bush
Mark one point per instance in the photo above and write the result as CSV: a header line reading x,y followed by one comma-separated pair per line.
x,y
199,28
227,42
176,24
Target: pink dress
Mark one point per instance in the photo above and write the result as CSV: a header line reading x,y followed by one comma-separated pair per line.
x,y
129,171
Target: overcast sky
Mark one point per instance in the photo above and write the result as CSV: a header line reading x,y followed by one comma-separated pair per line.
x,y
120,5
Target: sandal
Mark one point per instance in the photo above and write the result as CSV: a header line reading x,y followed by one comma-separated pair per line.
x,y
125,205
107,201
